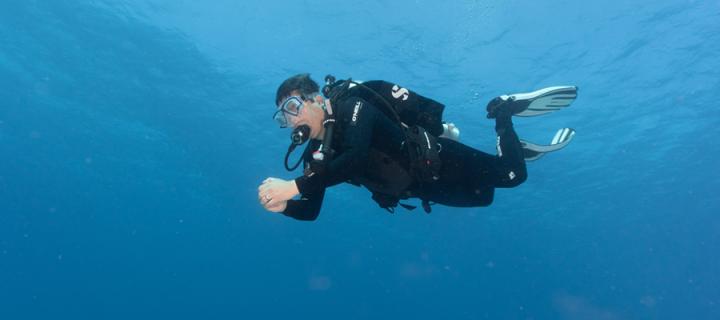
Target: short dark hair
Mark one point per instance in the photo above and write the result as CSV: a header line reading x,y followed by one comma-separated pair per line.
x,y
300,82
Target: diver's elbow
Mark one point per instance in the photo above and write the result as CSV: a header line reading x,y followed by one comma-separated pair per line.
x,y
308,216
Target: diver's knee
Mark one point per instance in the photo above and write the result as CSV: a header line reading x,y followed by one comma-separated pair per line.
x,y
486,202
522,177
516,178
486,199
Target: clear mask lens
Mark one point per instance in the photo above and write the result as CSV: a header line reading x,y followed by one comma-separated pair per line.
x,y
290,107
280,118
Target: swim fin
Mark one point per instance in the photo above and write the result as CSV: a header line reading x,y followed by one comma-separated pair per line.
x,y
534,103
533,151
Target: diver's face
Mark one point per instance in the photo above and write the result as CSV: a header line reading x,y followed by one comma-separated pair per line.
x,y
310,114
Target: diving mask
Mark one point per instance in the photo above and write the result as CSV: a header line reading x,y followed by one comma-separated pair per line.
x,y
290,106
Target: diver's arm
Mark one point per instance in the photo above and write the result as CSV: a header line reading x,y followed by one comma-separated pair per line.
x,y
359,122
358,117
359,125
307,208
312,192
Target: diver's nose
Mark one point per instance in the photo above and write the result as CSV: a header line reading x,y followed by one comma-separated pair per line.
x,y
294,120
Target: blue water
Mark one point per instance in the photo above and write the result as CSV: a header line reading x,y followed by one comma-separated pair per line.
x,y
133,136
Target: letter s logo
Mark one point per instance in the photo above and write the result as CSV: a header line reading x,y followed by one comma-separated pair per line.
x,y
398,92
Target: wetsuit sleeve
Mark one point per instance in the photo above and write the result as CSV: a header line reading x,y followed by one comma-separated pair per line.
x,y
308,207
358,119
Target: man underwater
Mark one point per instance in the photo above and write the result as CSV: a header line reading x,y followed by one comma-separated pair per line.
x,y
393,142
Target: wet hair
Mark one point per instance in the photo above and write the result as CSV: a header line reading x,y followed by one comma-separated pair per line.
x,y
300,82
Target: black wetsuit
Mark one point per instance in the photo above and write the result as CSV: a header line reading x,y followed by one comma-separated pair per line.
x,y
468,177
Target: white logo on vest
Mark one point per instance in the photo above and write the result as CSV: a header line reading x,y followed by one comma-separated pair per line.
x,y
398,92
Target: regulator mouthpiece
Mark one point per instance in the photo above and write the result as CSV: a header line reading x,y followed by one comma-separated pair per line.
x,y
298,136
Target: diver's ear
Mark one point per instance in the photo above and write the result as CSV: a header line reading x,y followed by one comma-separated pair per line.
x,y
325,103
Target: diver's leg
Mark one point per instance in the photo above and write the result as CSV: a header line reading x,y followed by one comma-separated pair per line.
x,y
466,177
509,168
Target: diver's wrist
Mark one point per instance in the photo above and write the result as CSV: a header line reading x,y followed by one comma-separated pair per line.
x,y
301,183
295,189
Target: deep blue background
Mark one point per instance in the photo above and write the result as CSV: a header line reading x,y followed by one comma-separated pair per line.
x,y
133,136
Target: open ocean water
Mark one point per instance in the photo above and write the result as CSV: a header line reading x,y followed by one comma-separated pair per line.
x,y
133,136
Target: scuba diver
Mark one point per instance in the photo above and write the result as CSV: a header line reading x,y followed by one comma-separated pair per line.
x,y
394,142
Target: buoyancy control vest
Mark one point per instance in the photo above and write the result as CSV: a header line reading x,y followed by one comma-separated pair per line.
x,y
420,119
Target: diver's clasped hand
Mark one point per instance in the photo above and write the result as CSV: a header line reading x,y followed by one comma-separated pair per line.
x,y
274,193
